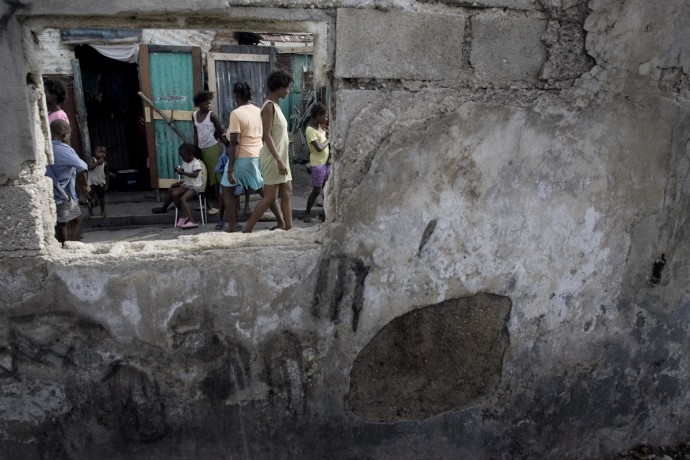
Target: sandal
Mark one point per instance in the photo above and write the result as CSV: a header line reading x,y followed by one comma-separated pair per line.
x,y
189,224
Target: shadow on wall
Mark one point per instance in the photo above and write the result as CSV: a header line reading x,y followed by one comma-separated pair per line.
x,y
431,360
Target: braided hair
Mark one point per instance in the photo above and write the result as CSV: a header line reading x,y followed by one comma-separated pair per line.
x,y
242,91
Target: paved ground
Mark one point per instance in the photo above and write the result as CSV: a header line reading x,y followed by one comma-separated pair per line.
x,y
129,216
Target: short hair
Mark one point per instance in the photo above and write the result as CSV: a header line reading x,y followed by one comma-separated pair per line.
x,y
202,96
317,109
59,128
187,147
57,88
242,90
278,79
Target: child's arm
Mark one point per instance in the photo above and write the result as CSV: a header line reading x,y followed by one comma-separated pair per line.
x,y
181,172
196,135
92,163
216,123
232,154
314,140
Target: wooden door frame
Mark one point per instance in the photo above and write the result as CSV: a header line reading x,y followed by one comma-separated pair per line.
x,y
145,84
211,59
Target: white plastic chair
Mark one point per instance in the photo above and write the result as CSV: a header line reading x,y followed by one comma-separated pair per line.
x,y
201,196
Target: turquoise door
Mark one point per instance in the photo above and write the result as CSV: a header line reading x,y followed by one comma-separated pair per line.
x,y
170,77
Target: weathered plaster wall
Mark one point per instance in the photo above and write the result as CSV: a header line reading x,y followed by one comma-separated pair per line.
x,y
509,174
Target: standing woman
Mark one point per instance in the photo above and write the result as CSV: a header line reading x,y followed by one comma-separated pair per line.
x,y
275,163
243,167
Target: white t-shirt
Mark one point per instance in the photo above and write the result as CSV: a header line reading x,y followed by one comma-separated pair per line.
x,y
192,182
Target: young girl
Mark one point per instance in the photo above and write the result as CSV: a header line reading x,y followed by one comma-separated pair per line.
x,y
207,131
319,154
97,179
275,163
189,187
55,97
243,168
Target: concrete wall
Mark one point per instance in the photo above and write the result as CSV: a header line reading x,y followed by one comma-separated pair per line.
x,y
503,274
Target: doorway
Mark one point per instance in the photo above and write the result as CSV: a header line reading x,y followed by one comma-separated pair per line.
x,y
114,110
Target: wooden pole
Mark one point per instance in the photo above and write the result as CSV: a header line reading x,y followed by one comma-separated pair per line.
x,y
169,122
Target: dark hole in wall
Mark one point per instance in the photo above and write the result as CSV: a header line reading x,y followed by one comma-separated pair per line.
x,y
657,269
431,360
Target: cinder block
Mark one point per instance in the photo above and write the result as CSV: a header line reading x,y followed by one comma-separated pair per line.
x,y
506,49
349,103
399,45
27,216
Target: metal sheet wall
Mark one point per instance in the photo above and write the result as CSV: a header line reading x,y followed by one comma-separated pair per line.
x,y
171,89
230,72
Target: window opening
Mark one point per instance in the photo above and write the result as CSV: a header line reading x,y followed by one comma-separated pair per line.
x,y
104,75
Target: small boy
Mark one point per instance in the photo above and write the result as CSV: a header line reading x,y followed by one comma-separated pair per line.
x,y
186,189
97,179
66,167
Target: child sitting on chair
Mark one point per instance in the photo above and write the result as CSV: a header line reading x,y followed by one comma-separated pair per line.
x,y
189,187
98,181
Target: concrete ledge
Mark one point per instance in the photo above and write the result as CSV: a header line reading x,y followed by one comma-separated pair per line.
x,y
399,45
508,4
506,50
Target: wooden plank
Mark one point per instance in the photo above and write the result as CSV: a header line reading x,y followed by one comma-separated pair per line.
x,y
170,49
145,76
166,183
184,115
82,118
212,82
197,70
239,57
296,50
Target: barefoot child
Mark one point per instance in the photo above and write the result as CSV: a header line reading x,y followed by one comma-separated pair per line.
x,y
66,166
319,154
189,187
97,179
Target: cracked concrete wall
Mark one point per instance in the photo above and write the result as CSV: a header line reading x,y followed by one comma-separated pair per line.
x,y
531,151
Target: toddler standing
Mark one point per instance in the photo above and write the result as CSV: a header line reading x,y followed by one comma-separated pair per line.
x,y
98,180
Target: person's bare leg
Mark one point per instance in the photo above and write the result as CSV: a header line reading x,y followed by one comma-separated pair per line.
x,y
174,195
76,229
166,204
186,196
274,209
315,191
268,198
286,203
62,232
229,201
247,196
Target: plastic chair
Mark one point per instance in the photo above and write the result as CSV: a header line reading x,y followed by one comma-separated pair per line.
x,y
201,196
202,209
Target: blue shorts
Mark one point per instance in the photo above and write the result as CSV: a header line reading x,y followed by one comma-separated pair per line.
x,y
247,174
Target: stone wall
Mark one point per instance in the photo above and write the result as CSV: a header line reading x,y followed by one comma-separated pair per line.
x,y
503,273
